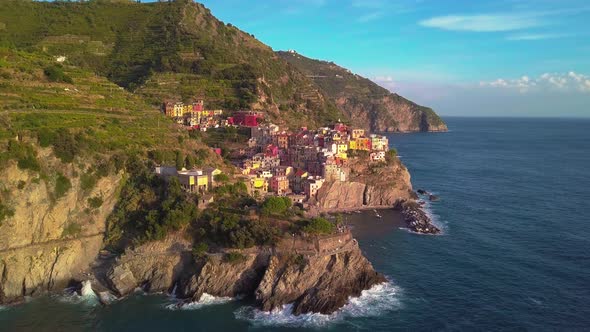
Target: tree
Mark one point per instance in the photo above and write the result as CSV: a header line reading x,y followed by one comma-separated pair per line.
x,y
179,160
317,226
275,206
390,155
189,161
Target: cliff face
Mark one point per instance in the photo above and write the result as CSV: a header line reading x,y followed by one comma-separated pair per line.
x,y
365,103
390,113
379,185
48,241
317,275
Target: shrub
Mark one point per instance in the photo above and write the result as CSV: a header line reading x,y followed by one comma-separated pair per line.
x,y
275,205
21,184
45,137
221,178
29,162
317,226
200,250
5,212
95,202
234,257
62,185
66,146
390,155
87,181
55,73
179,160
72,229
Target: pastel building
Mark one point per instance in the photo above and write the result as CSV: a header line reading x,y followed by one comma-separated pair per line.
x,y
312,185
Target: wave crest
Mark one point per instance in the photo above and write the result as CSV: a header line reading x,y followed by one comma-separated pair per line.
x,y
372,302
204,300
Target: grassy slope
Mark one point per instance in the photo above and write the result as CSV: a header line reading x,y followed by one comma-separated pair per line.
x,y
167,50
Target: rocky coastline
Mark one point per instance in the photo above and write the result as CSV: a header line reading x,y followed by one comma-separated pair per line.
x,y
316,274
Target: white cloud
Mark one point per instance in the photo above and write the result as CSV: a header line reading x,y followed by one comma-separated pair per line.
x,y
570,81
483,22
514,18
369,17
535,36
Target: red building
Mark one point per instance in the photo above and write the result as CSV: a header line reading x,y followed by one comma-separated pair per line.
x,y
198,106
247,118
341,127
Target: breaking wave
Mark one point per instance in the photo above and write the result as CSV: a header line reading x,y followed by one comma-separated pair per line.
x,y
87,295
372,302
204,300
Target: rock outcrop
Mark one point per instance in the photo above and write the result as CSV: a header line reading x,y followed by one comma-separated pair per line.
x,y
154,266
50,240
320,283
316,274
365,103
416,219
379,185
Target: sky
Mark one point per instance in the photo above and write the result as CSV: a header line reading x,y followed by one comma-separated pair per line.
x,y
460,57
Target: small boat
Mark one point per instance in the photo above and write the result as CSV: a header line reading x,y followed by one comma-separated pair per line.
x,y
357,211
378,216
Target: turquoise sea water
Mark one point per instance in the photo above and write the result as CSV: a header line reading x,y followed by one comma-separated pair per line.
x,y
515,253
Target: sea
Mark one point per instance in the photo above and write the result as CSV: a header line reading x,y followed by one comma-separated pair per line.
x,y
514,253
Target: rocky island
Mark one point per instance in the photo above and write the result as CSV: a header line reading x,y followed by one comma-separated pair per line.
x,y
207,168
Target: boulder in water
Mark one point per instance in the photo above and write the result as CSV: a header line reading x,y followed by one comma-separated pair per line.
x,y
433,198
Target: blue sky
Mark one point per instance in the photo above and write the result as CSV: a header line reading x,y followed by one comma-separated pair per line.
x,y
461,57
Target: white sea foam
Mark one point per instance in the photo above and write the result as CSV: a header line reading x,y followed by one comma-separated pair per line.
x,y
87,295
372,302
204,300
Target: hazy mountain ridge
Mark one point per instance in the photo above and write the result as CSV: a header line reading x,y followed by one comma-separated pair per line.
x,y
367,104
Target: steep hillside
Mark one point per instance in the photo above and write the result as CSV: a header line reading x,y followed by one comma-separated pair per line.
x,y
168,50
70,142
367,104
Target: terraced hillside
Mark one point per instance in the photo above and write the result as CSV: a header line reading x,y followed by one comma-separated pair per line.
x,y
175,50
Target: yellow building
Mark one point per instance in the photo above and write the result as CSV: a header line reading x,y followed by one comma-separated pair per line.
x,y
352,145
356,133
202,182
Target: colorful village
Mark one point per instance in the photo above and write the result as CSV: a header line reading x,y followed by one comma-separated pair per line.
x,y
273,161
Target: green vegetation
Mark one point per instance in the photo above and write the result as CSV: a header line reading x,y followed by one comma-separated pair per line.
x,y
275,206
234,257
317,225
230,229
95,202
5,212
175,50
62,186
55,73
221,178
87,181
200,250
23,153
148,208
360,92
390,156
71,230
